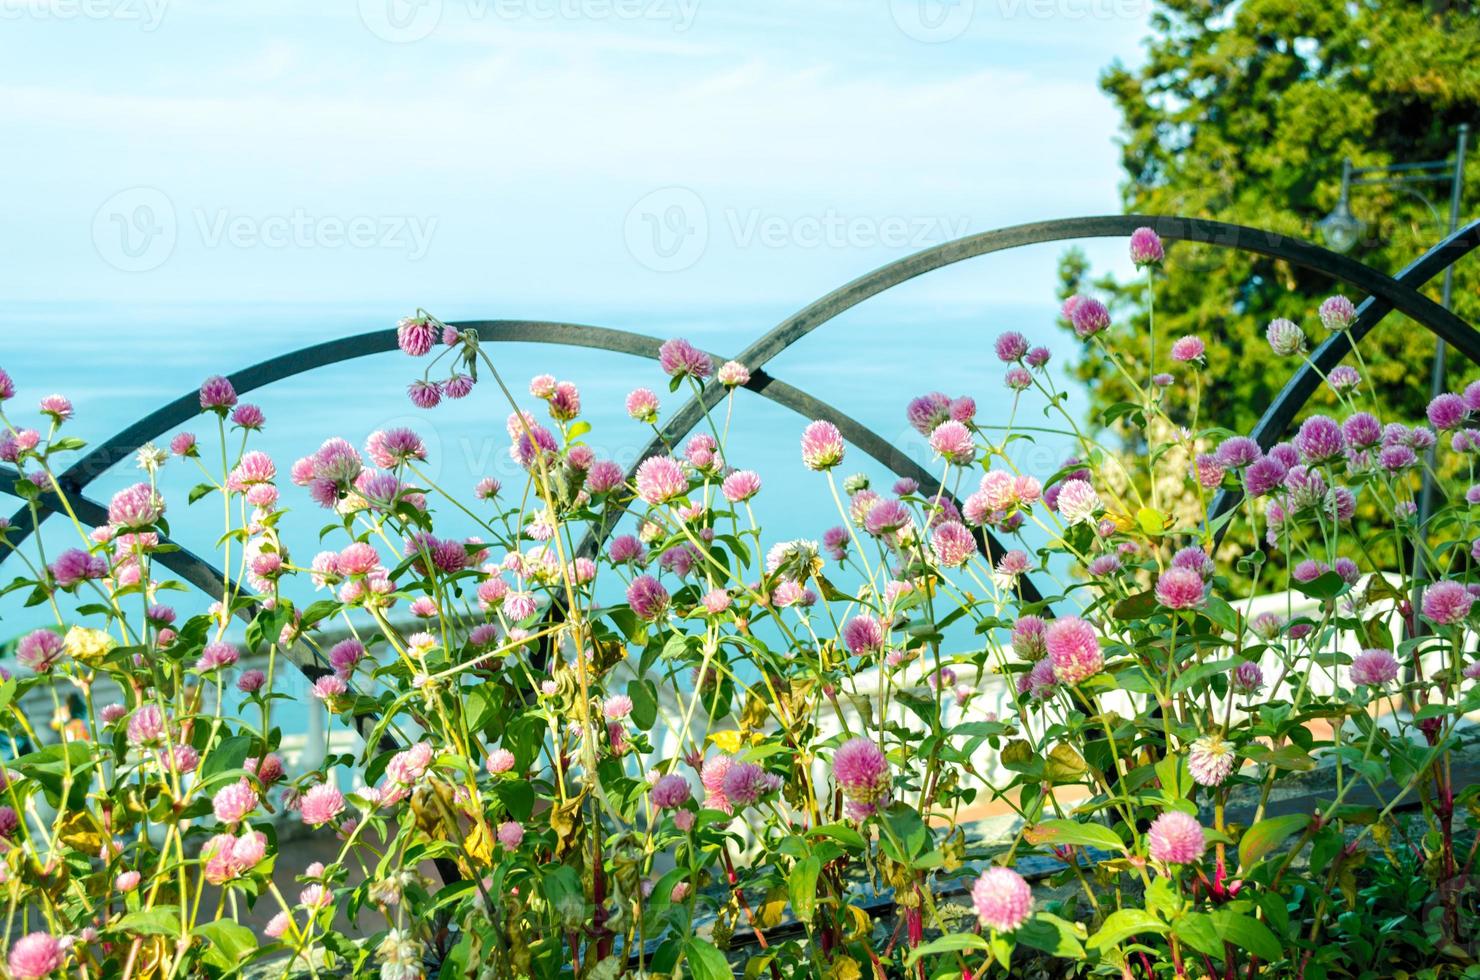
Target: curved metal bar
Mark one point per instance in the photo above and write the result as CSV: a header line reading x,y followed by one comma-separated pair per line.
x,y
1276,419
195,570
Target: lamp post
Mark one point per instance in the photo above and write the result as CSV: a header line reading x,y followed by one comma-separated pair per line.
x,y
1342,230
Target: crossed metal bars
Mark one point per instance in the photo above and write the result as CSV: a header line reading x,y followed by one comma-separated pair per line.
x,y
1384,294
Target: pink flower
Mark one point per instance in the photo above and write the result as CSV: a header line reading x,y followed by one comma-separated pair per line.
x,y
565,402
1002,899
1146,248
407,767
862,773
393,447
215,656
39,650
136,508
58,408
499,761
127,881
1374,668
1210,760
822,446
1188,349
7,387
1175,838
35,956
217,395
183,444
1319,440
510,834
1088,316
1011,346
1248,677
1337,313
642,405
1180,588
1447,603
863,635
321,804
277,925
416,335
952,544
671,791
617,707
733,374
248,417
235,801
1447,411
146,725
648,598
678,358
661,479
1027,638
716,601
1285,337
712,776
1077,501
1018,379
746,783
604,476
1074,648
741,485
952,442
424,393
329,687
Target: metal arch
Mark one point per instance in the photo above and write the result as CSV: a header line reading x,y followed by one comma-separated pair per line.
x,y
1385,293
202,574
1276,419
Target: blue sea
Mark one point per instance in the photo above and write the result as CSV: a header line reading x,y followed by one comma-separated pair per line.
x,y
117,363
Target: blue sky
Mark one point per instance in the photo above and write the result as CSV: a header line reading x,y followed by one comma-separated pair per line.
x,y
542,157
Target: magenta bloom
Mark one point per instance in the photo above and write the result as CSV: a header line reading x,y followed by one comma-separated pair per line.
x,y
741,485
146,725
1374,668
604,476
217,395
660,479
1188,349
39,650
75,565
234,802
499,761
1018,379
952,442
1037,357
416,335
642,405
952,544
35,956
1337,313
671,791
746,782
1074,648
251,681
215,656
1447,603
1180,588
1002,899
248,417
424,394
822,446
862,634
1027,638
1362,430
678,358
510,834
1319,439
136,508
1011,346
1248,677
321,805
1264,476
647,597
1175,838
57,407
1089,317
7,387
1447,411
1146,248
862,773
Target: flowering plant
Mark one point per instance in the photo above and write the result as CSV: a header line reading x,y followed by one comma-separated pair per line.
x,y
682,749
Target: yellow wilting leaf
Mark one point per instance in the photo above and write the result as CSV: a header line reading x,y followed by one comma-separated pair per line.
x,y
727,741
80,831
479,844
1151,520
773,908
857,922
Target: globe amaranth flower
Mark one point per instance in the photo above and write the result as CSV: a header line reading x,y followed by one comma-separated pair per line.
x,y
822,446
138,507
1027,637
642,405
952,442
1077,501
647,598
661,479
864,634
1180,588
56,407
745,783
1037,357
952,544
416,335
510,834
1319,440
1002,899
321,804
1040,681
1447,411
234,802
1089,317
1018,379
1248,677
1337,313
499,761
1210,760
1186,349
1011,346
39,650
7,387
678,358
1207,471
35,956
1361,430
217,395
1074,648
733,374
862,773
1175,838
1374,668
1343,377
1285,337
928,411
1447,603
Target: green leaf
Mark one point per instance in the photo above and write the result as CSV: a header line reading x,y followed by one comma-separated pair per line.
x,y
1291,757
1196,929
1138,606
1327,585
1052,935
802,885
1059,832
1248,933
843,834
644,695
227,944
907,836
1262,838
706,962
230,754
161,921
200,490
1121,925
947,944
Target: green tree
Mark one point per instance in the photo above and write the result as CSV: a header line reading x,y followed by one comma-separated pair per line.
x,y
1243,112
